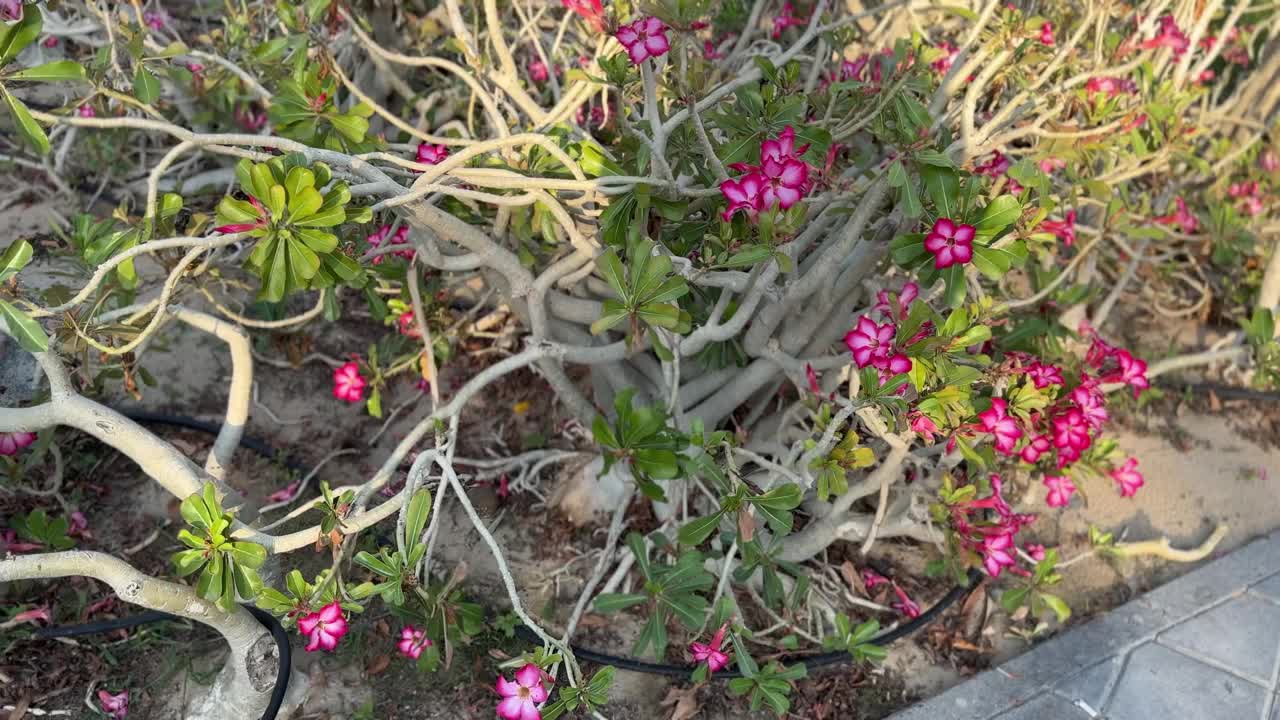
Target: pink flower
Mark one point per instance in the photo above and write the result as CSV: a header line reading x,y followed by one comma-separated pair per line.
x,y
1138,121
401,237
644,38
537,72
944,63
1205,76
115,706
1184,218
786,19
995,166
743,194
1091,404
9,543
872,579
1251,206
412,641
86,111
78,525
348,384
949,243
1268,160
432,154
156,20
1169,36
812,377
1127,478
1245,189
710,653
325,628
923,426
784,182
31,616
195,68
10,9
870,343
11,443
250,118
783,147
1046,34
1132,372
906,296
1050,165
997,553
905,604
50,42
285,493
1064,230
1071,434
520,699
996,421
264,217
1035,551
1044,375
852,69
710,51
590,10
1110,86
1060,491
1034,448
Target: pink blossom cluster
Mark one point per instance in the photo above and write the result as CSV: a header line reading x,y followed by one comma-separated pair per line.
x,y
324,628
1182,217
781,179
711,653
431,154
1169,35
1064,230
412,642
949,54
857,70
1109,86
12,442
114,706
785,19
904,604
523,698
643,39
401,237
590,10
1248,193
996,166
988,527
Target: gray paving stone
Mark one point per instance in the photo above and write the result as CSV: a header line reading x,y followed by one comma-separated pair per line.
x,y
1269,588
1161,683
1045,707
979,698
1110,634
1093,685
1227,575
1242,634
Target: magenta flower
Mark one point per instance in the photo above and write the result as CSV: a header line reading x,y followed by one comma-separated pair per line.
x,y
1071,434
787,18
348,384
9,543
996,421
944,63
1046,34
710,653
31,616
949,243
432,154
1170,36
114,706
86,111
782,148
1034,448
870,343
11,443
78,525
906,296
644,38
412,642
1205,76
1183,217
995,166
156,20
743,194
1091,404
250,118
1050,165
1060,490
872,579
1109,86
784,182
1035,551
923,426
520,699
1127,478
1043,375
852,69
285,493
905,604
324,628
590,10
10,9
538,71
710,51
812,376
401,237
264,217
1132,372
1268,160
998,553
1064,230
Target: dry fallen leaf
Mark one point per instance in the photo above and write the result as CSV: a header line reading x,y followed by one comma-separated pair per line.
x,y
854,579
685,702
378,664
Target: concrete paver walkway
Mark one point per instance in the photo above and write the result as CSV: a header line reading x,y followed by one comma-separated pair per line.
x,y
1203,647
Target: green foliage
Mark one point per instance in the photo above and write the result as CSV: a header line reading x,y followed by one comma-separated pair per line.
x,y
226,567
38,527
291,218
770,685
1260,330
14,38
646,292
642,438
1031,592
305,109
333,509
857,641
589,698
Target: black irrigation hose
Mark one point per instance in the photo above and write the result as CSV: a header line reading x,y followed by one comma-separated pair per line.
x,y
284,663
811,662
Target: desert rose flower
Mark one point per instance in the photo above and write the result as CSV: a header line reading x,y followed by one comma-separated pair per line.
x,y
1183,217
1043,375
1064,230
1070,435
923,426
590,10
538,71
114,706
710,653
743,194
1060,489
412,642
285,493
643,39
784,183
11,443
1046,34
787,18
870,343
996,421
1034,448
1268,160
1035,551
324,628
997,553
348,384
872,579
520,699
1170,36
430,154
944,63
951,244
10,9
1109,86
1127,478
905,604
1132,372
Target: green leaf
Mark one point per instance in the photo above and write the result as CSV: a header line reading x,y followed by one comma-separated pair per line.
x,y
186,562
1013,599
613,602
935,159
1058,605
999,214
146,87
992,263
376,564
416,518
28,128
247,582
51,72
22,328
698,530
196,512
250,555
352,127
15,257
783,497
749,255
943,186
14,38
611,269
953,276
908,249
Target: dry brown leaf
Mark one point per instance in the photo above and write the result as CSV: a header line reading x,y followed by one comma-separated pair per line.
x,y
684,703
961,644
1214,403
378,664
854,579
